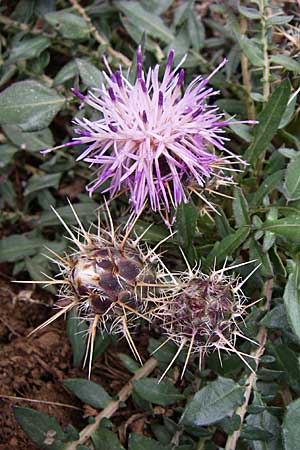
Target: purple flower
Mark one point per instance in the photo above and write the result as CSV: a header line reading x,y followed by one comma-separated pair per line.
x,y
153,140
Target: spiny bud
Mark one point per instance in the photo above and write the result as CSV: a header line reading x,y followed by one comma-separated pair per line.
x,y
106,280
202,313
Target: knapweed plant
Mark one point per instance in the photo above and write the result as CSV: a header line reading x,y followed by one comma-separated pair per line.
x,y
150,190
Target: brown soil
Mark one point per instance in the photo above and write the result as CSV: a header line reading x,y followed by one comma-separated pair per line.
x,y
33,367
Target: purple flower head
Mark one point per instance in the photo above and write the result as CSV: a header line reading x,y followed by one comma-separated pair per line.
x,y
153,139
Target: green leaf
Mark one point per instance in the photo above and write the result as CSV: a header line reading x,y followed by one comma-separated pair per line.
x,y
252,51
128,362
287,62
30,105
288,113
227,246
291,299
265,421
288,361
163,393
29,48
268,185
152,24
196,31
7,152
250,13
39,182
90,75
84,211
67,72
186,223
212,403
288,228
261,257
292,180
76,329
17,246
278,20
240,208
104,439
42,429
276,318
69,25
31,141
88,392
269,120
291,429
101,344
138,442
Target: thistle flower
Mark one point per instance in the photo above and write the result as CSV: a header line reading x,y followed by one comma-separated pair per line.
x,y
151,139
201,313
107,280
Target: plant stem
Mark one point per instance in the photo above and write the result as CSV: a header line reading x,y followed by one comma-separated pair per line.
x,y
250,382
113,406
99,38
264,39
246,75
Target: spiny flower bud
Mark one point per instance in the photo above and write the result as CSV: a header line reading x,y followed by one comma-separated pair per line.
x,y
106,280
202,313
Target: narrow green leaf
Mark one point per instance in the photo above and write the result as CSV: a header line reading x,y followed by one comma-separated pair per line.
x,y
291,429
7,152
262,258
128,362
42,429
287,62
186,223
85,211
288,228
39,182
291,299
267,186
69,25
77,329
196,31
288,361
276,318
252,51
250,13
269,120
240,208
212,403
163,393
288,113
90,75
29,48
30,105
17,246
31,141
227,246
67,72
265,421
279,20
88,392
138,442
104,439
292,180
151,23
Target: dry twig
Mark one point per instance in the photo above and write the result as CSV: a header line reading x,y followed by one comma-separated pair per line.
x,y
99,38
250,382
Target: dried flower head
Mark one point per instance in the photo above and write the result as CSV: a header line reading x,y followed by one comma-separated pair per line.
x,y
201,313
106,280
152,139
